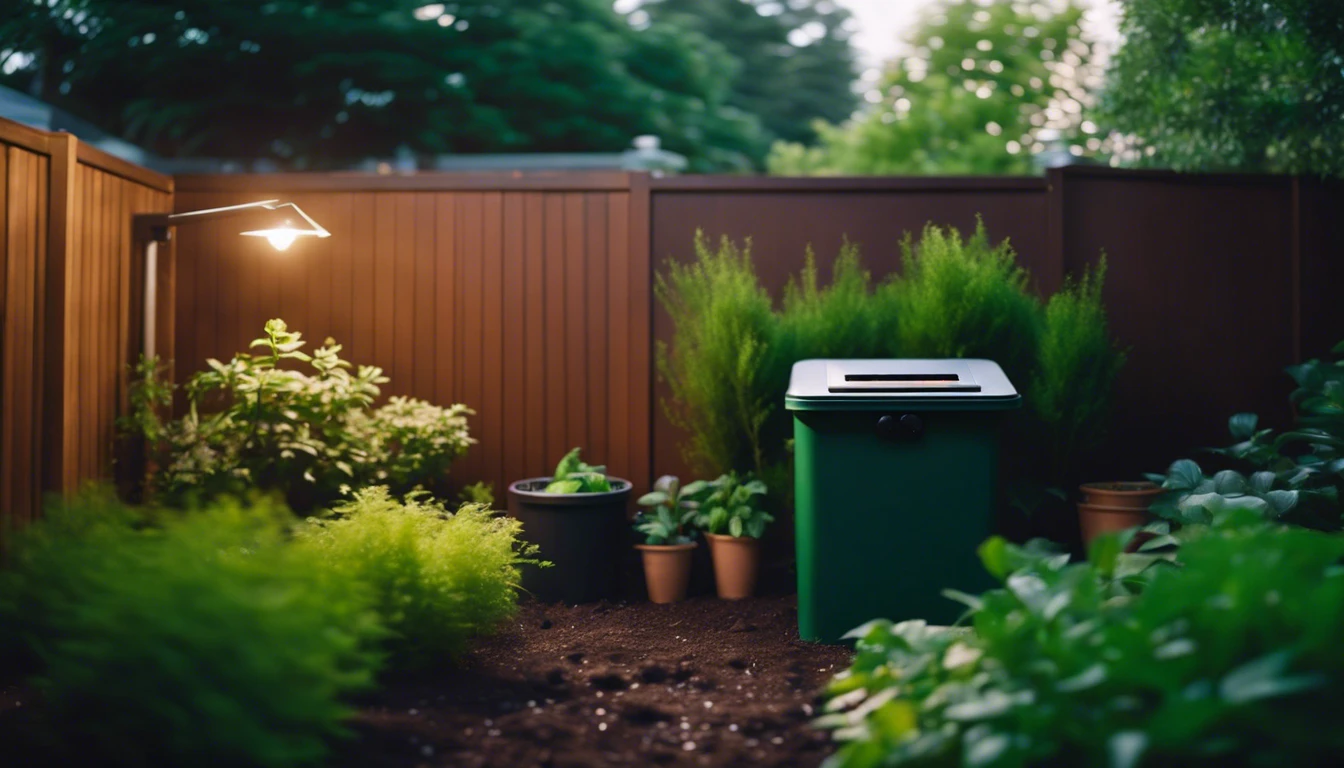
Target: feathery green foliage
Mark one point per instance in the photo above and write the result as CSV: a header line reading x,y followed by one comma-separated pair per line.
x,y
965,298
440,578
714,367
1077,364
186,639
729,362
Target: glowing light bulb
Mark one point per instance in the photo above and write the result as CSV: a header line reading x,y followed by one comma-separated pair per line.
x,y
281,239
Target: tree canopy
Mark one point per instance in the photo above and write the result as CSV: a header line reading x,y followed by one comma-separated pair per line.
x,y
1231,84
317,83
796,60
984,88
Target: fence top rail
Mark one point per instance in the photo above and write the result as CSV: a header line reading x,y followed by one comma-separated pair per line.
x,y
423,181
97,158
25,137
1224,178
806,184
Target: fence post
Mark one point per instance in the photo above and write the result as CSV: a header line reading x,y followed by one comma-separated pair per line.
x,y
58,421
641,331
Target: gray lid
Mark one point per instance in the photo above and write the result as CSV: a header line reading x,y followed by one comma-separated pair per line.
x,y
968,384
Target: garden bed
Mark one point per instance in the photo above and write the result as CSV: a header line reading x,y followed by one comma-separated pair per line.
x,y
703,682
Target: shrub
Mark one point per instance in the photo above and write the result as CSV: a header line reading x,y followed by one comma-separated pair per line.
x,y
196,639
965,298
440,578
307,435
1230,659
713,368
728,364
1069,390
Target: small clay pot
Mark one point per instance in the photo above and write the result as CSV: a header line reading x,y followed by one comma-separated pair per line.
x,y
667,570
1096,519
1136,495
737,560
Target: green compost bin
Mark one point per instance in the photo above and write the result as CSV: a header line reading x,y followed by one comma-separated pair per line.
x,y
896,483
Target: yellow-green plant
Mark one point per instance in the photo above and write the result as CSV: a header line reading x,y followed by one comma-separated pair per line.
x,y
439,577
194,638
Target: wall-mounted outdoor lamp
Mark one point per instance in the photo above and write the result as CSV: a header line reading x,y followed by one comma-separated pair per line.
x,y
281,223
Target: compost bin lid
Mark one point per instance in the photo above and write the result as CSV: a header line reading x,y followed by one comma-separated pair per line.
x,y
844,385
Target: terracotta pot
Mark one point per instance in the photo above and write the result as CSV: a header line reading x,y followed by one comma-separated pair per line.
x,y
1136,495
1096,519
737,559
667,570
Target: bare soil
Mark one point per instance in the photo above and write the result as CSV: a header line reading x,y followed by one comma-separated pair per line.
x,y
700,683
705,682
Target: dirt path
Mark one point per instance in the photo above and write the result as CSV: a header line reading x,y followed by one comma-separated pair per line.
x,y
705,682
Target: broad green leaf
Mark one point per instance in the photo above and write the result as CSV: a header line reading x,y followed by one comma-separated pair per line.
x,y
735,526
652,498
1229,483
1125,749
1262,482
564,486
994,555
1242,425
1265,677
1183,475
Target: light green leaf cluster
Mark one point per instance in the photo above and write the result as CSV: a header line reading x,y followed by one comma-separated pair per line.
x,y
574,475
197,638
439,578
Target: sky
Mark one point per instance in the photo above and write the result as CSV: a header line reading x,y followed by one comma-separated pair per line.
x,y
882,24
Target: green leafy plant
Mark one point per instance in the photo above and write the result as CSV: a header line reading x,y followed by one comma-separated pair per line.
x,y
574,475
715,367
728,363
478,493
1194,498
439,577
729,505
251,423
1300,472
1229,658
201,638
667,514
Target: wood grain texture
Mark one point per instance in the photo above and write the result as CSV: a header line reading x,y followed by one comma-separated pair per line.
x,y
66,311
518,301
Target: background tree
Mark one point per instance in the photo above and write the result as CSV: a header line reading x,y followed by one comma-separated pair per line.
x,y
318,83
1219,84
796,60
985,87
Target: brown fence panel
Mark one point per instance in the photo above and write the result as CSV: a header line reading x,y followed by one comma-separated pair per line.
x,y
66,296
783,216
24,168
526,299
1202,288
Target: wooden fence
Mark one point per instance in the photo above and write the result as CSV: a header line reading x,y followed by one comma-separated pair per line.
x,y
529,298
67,291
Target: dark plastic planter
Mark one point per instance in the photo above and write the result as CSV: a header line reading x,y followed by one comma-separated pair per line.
x,y
583,534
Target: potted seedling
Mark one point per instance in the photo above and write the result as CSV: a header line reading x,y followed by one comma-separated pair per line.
x,y
577,519
1114,506
664,523
729,511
